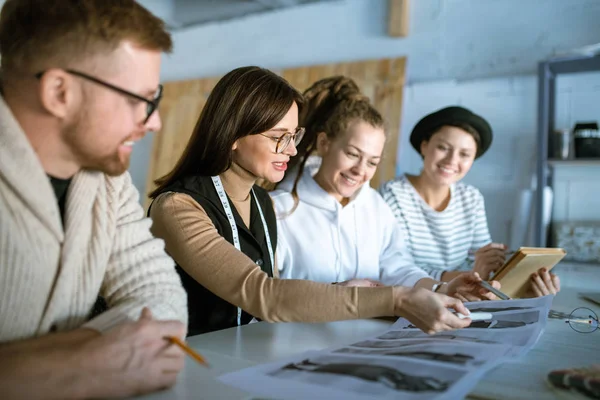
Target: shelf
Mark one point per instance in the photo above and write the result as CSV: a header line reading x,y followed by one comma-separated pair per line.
x,y
578,264
548,70
574,64
584,162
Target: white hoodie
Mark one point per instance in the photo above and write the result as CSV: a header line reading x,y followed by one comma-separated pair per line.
x,y
325,242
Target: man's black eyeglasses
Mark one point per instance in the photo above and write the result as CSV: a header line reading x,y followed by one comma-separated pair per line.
x,y
151,105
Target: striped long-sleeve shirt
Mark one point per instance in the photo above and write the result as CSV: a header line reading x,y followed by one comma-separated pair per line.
x,y
439,240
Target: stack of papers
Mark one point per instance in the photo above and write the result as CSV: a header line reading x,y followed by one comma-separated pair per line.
x,y
403,361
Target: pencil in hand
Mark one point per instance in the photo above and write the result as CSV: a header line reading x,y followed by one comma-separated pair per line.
x,y
492,289
187,349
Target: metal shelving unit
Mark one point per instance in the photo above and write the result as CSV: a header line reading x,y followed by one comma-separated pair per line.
x,y
547,72
575,162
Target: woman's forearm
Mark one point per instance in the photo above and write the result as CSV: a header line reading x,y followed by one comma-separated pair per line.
x,y
425,283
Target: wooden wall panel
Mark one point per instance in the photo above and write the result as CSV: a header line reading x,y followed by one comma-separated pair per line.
x,y
381,80
179,110
398,18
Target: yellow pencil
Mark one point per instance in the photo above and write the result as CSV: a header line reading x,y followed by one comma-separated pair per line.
x,y
187,349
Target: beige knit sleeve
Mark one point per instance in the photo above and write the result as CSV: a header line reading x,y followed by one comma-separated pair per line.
x,y
193,241
140,273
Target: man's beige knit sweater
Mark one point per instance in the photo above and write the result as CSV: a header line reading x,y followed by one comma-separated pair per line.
x,y
50,277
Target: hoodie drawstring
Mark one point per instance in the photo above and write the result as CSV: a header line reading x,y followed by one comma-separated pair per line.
x,y
338,250
356,244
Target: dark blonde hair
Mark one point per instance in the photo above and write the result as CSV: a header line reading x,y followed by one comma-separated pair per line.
x,y
39,34
331,106
246,101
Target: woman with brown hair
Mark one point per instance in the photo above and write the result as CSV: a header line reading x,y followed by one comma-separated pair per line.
x,y
332,225
221,230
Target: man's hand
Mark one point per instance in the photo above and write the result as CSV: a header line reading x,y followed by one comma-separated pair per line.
x,y
466,288
132,358
489,259
428,311
361,283
135,358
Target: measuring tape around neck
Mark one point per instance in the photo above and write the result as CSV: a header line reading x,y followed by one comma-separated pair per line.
x,y
234,231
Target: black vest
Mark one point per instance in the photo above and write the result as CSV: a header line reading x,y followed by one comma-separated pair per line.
x,y
208,312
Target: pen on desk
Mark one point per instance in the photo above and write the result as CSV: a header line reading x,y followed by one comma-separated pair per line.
x,y
492,289
581,321
187,349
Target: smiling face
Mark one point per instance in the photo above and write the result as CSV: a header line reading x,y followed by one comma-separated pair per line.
x,y
103,129
448,155
349,160
256,153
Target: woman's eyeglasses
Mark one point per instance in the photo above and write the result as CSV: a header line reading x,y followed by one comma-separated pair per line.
x,y
284,140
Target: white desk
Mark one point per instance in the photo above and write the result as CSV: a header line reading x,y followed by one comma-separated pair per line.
x,y
237,348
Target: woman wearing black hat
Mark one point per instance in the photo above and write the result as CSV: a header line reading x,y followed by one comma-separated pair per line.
x,y
443,219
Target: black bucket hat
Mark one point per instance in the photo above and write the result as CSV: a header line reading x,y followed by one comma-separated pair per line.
x,y
448,116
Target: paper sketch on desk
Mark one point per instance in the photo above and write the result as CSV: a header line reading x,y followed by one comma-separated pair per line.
x,y
464,354
327,375
505,314
514,319
370,375
404,361
499,308
517,323
519,340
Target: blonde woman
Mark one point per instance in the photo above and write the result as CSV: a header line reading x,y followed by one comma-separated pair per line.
x,y
332,226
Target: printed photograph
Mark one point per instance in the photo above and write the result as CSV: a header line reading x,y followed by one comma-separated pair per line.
x,y
455,358
371,375
418,334
517,336
460,354
502,321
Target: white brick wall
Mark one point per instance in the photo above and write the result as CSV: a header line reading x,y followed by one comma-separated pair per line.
x,y
578,97
449,39
577,188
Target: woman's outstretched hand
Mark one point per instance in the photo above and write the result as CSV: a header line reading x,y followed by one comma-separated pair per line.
x,y
466,287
